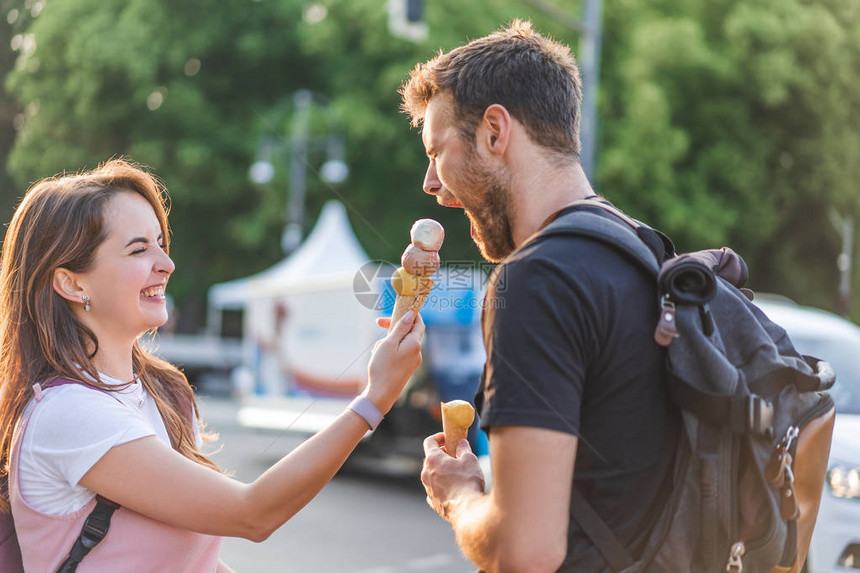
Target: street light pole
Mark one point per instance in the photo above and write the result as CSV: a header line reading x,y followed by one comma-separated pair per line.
x,y
300,145
589,62
844,265
589,49
292,237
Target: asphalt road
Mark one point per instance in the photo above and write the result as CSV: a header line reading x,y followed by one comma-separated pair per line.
x,y
360,523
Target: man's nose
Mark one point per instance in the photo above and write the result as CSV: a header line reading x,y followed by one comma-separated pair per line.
x,y
432,185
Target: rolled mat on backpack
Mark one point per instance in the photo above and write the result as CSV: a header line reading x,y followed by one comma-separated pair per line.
x,y
691,278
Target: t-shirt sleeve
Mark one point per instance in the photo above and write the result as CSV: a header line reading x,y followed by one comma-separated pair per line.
x,y
71,431
538,336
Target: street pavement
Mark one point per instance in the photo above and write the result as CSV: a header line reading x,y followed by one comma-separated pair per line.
x,y
360,523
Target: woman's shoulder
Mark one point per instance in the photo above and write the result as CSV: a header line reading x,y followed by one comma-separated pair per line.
x,y
71,394
75,408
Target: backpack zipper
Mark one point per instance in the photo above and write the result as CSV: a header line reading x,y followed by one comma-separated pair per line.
x,y
736,564
824,404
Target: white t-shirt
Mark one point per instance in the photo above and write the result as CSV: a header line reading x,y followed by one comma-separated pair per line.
x,y
73,427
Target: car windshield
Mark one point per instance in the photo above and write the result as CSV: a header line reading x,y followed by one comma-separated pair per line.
x,y
844,357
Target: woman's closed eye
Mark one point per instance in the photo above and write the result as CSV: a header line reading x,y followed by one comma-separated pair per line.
x,y
141,250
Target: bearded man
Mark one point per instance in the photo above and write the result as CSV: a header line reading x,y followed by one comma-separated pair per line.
x,y
573,390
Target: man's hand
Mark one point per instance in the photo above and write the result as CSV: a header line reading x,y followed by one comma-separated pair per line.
x,y
449,480
519,526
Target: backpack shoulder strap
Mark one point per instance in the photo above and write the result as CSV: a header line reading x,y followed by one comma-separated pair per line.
x,y
94,530
621,232
607,544
627,236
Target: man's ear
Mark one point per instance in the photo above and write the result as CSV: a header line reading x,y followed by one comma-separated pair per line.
x,y
66,285
495,129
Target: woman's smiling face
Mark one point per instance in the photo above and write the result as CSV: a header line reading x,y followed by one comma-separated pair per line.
x,y
130,270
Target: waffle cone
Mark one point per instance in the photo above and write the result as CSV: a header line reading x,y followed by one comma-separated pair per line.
x,y
453,436
403,304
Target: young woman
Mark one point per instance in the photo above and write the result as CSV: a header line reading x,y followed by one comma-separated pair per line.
x,y
84,269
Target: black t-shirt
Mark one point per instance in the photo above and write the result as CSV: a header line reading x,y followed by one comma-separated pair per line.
x,y
569,333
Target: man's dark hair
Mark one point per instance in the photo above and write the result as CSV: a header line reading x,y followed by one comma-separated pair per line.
x,y
535,78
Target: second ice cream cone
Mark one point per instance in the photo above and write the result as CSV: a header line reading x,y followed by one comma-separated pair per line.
x,y
457,418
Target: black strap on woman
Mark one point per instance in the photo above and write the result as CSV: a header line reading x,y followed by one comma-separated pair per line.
x,y
94,530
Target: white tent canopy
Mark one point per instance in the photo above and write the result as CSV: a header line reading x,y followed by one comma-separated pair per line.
x,y
304,330
330,254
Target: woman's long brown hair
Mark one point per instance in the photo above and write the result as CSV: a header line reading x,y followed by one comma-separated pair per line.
x,y
59,224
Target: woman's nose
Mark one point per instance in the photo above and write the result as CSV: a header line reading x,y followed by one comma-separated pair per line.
x,y
165,264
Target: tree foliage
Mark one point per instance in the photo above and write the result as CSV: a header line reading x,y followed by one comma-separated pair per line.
x,y
721,121
730,122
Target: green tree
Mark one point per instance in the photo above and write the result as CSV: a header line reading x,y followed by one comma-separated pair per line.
x,y
190,89
721,121
176,86
730,122
14,15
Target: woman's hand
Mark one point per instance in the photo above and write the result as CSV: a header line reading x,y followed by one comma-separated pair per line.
x,y
393,360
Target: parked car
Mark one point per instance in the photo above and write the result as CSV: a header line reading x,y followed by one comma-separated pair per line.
x,y
836,542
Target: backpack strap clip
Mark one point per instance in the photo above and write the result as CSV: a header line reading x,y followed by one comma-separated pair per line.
x,y
95,528
749,414
759,415
97,523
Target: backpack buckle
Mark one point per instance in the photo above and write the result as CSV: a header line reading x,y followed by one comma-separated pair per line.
x,y
760,416
93,532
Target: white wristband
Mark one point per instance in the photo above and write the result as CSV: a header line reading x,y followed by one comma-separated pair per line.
x,y
367,410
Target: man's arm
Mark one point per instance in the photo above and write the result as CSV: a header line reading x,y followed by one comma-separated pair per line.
x,y
521,525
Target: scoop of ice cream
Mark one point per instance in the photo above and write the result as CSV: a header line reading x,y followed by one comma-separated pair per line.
x,y
427,234
458,413
407,284
419,262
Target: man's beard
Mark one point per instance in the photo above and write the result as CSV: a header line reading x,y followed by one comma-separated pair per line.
x,y
489,211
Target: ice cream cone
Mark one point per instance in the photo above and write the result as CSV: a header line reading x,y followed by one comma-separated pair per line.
x,y
457,417
412,291
403,304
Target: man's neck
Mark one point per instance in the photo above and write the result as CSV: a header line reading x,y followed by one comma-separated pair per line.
x,y
543,190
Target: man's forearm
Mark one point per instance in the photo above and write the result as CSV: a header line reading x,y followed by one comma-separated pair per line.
x,y
521,525
475,518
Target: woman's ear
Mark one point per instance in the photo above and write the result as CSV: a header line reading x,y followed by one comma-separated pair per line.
x,y
495,129
66,285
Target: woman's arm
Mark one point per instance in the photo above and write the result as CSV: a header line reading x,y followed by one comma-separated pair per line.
x,y
149,477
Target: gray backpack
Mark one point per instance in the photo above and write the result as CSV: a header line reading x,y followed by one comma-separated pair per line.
x,y
752,456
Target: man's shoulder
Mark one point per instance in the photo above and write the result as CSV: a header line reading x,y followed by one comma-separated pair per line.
x,y
572,256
